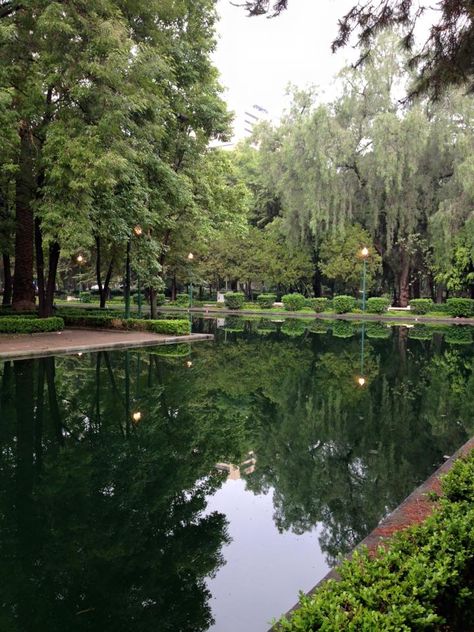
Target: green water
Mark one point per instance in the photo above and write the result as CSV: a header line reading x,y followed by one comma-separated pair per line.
x,y
110,522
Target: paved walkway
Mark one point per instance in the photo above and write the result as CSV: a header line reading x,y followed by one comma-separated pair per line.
x,y
83,340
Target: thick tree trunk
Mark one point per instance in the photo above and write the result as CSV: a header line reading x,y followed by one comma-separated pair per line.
x,y
249,290
23,289
108,276
173,288
404,275
439,293
7,277
316,282
152,294
54,251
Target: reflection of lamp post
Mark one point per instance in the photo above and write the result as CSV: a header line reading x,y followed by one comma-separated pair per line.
x,y
364,253
361,380
80,260
190,259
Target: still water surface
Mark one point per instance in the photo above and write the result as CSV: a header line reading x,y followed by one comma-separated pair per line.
x,y
114,516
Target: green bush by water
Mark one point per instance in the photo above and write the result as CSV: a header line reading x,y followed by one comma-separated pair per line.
x,y
319,304
377,305
460,307
424,580
343,304
182,300
234,300
30,325
173,327
293,302
421,305
266,301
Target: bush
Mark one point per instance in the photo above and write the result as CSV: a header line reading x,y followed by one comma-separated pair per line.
x,y
458,335
182,300
421,580
170,327
377,305
421,305
343,304
85,297
440,308
234,300
343,329
293,302
29,325
460,307
160,299
266,300
319,304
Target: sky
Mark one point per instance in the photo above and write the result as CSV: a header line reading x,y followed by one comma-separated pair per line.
x,y
258,57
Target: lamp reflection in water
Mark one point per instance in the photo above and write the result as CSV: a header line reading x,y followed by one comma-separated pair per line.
x,y
361,381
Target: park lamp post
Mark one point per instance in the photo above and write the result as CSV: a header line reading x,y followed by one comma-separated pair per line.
x,y
190,259
364,254
138,231
80,260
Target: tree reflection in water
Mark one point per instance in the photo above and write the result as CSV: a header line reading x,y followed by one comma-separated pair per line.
x,y
103,510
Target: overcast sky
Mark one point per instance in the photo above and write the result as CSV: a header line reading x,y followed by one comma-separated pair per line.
x,y
257,57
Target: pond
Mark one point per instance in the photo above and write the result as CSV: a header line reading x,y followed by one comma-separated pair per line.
x,y
190,488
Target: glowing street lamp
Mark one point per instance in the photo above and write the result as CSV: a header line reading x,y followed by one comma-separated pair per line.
x,y
361,381
80,260
137,416
190,259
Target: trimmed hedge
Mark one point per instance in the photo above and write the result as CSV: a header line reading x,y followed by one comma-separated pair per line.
x,y
377,305
182,300
171,327
460,307
293,302
30,325
423,579
319,304
234,300
421,305
343,329
266,300
343,304
85,297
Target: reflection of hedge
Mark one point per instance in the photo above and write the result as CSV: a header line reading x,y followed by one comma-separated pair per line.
x,y
377,330
293,327
343,329
458,335
420,332
234,324
178,350
319,327
265,326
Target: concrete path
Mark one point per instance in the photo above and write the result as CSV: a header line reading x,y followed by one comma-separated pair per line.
x,y
83,340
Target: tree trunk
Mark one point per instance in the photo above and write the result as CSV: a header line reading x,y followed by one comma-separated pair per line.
x,y
249,290
23,289
403,286
173,288
98,263
316,282
439,293
416,287
152,293
45,288
7,276
53,260
108,276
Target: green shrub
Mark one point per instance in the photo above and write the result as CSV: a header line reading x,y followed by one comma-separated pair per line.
x,y
343,304
170,327
293,302
234,300
377,305
160,299
319,304
266,300
421,305
460,307
293,327
29,325
343,329
458,335
377,330
440,308
182,300
421,580
85,297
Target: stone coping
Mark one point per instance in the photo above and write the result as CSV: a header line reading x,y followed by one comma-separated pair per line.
x,y
69,341
413,510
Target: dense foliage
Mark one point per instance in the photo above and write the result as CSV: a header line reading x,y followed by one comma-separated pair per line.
x,y
15,325
343,304
293,302
377,305
234,300
421,305
423,580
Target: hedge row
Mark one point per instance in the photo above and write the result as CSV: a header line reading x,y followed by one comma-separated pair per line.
x,y
30,325
423,580
172,327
